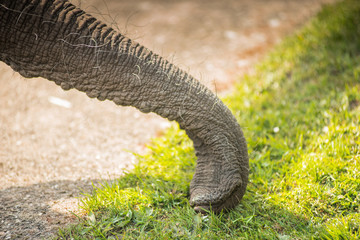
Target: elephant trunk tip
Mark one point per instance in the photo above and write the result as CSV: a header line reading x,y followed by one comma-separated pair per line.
x,y
203,204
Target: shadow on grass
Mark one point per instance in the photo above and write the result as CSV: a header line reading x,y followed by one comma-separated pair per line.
x,y
139,206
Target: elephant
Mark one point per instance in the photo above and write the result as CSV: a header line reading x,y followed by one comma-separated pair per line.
x,y
60,42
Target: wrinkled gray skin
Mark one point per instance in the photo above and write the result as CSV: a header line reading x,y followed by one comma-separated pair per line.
x,y
58,41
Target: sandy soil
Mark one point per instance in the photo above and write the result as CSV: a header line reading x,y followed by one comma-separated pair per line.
x,y
53,144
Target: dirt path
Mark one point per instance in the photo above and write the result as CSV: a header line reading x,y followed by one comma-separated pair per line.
x,y
53,144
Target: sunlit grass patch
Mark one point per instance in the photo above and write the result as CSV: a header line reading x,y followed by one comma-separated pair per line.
x,y
300,113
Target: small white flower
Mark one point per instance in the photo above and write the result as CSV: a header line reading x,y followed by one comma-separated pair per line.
x,y
276,129
325,129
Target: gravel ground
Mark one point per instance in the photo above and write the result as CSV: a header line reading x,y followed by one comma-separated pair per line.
x,y
54,144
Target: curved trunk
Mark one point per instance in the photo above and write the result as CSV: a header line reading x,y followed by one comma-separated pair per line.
x,y
55,40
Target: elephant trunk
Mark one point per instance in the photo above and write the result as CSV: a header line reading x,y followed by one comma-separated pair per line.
x,y
58,41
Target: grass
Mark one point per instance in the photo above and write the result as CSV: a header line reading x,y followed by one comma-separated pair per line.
x,y
300,113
